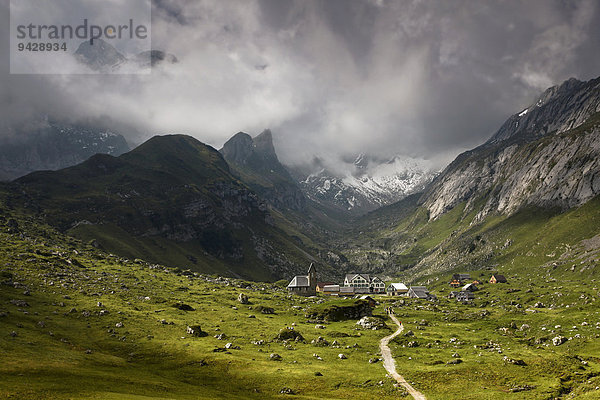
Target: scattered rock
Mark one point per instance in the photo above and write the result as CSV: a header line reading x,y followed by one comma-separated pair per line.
x,y
119,325
287,390
243,299
20,303
454,362
342,356
373,360
371,323
320,341
275,357
558,340
221,336
231,346
514,361
319,326
195,330
318,373
289,333
13,334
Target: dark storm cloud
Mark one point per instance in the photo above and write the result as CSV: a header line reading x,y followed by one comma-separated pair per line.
x,y
335,77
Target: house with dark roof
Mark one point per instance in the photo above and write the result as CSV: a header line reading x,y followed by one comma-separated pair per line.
x,y
304,285
470,287
464,296
418,292
462,278
497,278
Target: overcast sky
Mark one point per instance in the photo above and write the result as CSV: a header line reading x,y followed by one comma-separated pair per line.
x,y
332,77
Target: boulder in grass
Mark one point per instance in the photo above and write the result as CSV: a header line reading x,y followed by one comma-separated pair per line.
x,y
558,340
275,357
195,330
243,299
371,323
289,334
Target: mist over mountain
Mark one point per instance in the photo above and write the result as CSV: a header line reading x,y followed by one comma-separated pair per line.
x,y
46,144
365,184
331,78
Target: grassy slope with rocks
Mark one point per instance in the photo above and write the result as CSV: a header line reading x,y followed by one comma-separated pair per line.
x,y
80,323
65,345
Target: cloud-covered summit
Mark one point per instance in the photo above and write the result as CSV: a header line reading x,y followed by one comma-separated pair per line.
x,y
332,78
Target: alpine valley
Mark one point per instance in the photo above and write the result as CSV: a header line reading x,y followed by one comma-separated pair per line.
x,y
160,272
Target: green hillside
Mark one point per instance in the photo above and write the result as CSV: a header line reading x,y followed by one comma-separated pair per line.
x,y
173,201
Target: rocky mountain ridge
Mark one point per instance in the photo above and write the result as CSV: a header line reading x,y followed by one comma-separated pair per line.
x,y
546,156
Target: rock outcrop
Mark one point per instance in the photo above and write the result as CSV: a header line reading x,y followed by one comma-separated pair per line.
x,y
255,162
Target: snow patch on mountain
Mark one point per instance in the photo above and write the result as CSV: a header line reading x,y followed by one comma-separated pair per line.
x,y
367,183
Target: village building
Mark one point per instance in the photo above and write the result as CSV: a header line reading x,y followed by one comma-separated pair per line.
x,y
304,285
418,292
331,290
454,283
464,296
364,283
321,285
397,289
462,278
470,287
346,291
497,278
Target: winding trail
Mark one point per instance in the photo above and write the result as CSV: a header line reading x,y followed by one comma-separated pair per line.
x,y
390,365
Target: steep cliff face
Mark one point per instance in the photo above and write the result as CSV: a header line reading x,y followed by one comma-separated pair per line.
x,y
558,109
547,156
255,162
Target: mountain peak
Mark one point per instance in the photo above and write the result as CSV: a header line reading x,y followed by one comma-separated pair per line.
x,y
558,109
263,144
98,54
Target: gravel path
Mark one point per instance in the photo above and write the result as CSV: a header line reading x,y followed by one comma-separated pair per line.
x,y
390,365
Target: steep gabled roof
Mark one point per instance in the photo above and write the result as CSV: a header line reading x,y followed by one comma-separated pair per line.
x,y
299,281
419,291
350,277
